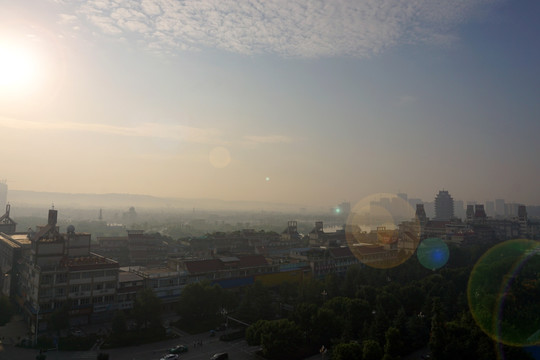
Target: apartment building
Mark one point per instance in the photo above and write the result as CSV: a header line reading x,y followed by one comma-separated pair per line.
x,y
58,271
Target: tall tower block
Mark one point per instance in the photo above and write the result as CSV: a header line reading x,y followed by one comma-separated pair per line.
x,y
444,206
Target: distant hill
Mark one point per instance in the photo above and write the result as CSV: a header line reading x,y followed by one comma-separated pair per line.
x,y
24,198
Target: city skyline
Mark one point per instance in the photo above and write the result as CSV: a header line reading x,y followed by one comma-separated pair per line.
x,y
294,103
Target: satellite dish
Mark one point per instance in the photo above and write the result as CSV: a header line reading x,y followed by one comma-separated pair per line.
x,y
71,229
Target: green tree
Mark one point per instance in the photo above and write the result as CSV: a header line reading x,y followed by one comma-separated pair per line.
x,y
287,292
359,313
256,304
280,339
200,302
147,309
328,326
392,345
417,331
119,327
59,319
311,291
347,351
371,350
437,340
303,316
254,332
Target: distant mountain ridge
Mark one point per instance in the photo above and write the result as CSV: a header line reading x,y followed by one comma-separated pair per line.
x,y
28,198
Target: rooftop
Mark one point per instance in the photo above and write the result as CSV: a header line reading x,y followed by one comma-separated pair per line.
x,y
92,259
203,266
127,276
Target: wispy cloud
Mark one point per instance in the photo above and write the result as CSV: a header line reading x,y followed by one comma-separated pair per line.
x,y
149,130
188,134
285,27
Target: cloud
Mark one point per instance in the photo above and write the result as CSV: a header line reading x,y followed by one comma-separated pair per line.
x,y
148,130
188,134
290,28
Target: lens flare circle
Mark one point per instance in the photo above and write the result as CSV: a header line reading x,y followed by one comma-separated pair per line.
x,y
220,157
503,292
433,253
372,234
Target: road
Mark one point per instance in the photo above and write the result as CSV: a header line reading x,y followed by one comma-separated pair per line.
x,y
237,349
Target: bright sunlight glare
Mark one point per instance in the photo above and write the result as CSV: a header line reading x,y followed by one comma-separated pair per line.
x,y
17,68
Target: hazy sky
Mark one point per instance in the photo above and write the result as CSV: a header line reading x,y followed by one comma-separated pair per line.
x,y
309,102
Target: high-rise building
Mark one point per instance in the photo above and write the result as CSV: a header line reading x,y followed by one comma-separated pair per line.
x,y
470,212
444,206
499,207
490,208
459,209
420,214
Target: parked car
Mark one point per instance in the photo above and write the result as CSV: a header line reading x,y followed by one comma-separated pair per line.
x,y
220,356
178,349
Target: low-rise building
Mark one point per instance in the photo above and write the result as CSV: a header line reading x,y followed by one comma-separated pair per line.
x,y
58,272
129,284
166,283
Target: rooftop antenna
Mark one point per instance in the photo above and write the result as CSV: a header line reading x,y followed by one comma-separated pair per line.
x,y
52,206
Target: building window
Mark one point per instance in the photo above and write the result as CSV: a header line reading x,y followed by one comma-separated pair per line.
x,y
74,289
84,301
98,286
86,287
58,304
74,276
45,292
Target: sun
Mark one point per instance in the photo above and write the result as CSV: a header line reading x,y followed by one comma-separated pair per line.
x,y
17,68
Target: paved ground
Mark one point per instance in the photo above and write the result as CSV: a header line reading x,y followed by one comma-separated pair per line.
x,y
17,329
